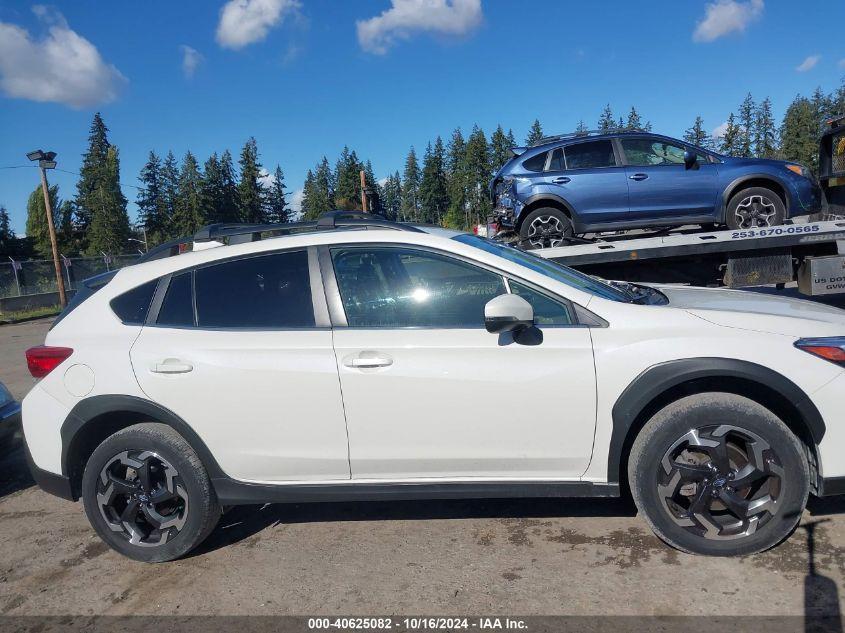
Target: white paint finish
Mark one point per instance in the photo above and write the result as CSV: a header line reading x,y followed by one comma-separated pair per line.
x,y
79,380
42,417
457,403
266,403
829,399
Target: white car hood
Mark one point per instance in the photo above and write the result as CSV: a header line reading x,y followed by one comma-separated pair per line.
x,y
758,311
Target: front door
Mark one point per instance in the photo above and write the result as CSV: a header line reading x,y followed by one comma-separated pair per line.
x,y
429,393
237,353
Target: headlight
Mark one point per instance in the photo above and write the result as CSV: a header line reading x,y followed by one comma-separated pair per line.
x,y
800,170
829,348
5,396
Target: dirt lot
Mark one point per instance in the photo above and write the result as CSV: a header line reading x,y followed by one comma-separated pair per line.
x,y
478,557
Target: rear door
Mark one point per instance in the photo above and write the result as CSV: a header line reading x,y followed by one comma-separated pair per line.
x,y
242,351
588,176
660,186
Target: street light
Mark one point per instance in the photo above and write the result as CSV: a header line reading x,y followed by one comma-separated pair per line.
x,y
46,160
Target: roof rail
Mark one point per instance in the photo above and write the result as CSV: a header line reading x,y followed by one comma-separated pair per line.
x,y
612,130
240,233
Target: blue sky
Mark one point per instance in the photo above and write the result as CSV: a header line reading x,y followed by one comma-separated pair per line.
x,y
307,77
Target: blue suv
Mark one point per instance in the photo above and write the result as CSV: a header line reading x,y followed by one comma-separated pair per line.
x,y
592,182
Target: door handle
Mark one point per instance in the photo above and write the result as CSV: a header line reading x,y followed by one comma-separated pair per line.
x,y
171,366
368,361
561,180
639,177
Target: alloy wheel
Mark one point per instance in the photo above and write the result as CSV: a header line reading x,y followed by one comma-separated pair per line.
x,y
141,496
720,482
546,231
755,211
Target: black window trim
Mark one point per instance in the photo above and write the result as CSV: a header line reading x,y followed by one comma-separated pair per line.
x,y
338,313
612,141
322,320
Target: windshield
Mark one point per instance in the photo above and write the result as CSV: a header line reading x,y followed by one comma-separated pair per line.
x,y
546,267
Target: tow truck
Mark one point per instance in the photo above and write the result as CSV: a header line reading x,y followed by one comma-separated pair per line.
x,y
810,250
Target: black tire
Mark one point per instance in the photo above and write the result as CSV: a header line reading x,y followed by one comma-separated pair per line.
x,y
694,512
156,455
754,207
544,228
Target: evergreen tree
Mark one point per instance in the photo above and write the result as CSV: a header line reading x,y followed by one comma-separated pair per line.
x,y
411,188
318,192
535,133
458,178
347,194
765,133
8,241
229,209
582,128
696,135
799,133
392,197
308,197
250,192
169,189
90,181
37,230
277,208
747,109
434,189
152,208
634,120
500,148
374,198
187,215
823,108
511,139
606,121
109,227
729,144
478,170
67,236
211,190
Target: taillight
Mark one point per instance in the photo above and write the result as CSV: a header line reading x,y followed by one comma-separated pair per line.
x,y
43,359
832,348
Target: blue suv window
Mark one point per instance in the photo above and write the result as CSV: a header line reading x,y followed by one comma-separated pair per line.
x,y
645,152
535,163
590,155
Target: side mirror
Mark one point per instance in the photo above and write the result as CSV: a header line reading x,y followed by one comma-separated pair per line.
x,y
508,313
690,160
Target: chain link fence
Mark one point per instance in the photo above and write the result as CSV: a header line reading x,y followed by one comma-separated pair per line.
x,y
36,276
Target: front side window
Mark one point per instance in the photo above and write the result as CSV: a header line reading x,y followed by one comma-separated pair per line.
x,y
398,287
645,152
590,155
268,291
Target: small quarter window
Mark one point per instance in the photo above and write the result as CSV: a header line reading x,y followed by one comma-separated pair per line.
x,y
535,163
547,311
131,307
177,309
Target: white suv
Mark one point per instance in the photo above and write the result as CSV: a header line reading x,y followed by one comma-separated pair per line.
x,y
330,363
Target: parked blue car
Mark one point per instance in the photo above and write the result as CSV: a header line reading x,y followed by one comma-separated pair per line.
x,y
608,181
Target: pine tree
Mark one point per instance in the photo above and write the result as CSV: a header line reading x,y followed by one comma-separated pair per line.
x,y
729,144
67,236
318,192
434,189
696,135
745,147
37,231
799,133
109,227
376,191
229,209
411,188
211,190
90,180
8,241
606,121
250,193
347,181
582,129
277,209
458,178
479,172
169,189
500,148
634,120
392,197
535,133
765,133
306,208
152,208
187,215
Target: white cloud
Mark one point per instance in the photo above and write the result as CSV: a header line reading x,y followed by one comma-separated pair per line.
x,y
191,59
406,17
719,131
808,64
266,179
296,200
726,16
62,67
244,22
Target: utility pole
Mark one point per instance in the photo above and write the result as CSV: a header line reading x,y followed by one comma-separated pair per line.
x,y
363,191
46,160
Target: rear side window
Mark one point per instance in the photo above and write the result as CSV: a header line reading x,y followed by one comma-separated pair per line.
x,y
177,309
132,307
590,155
557,164
269,291
535,163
